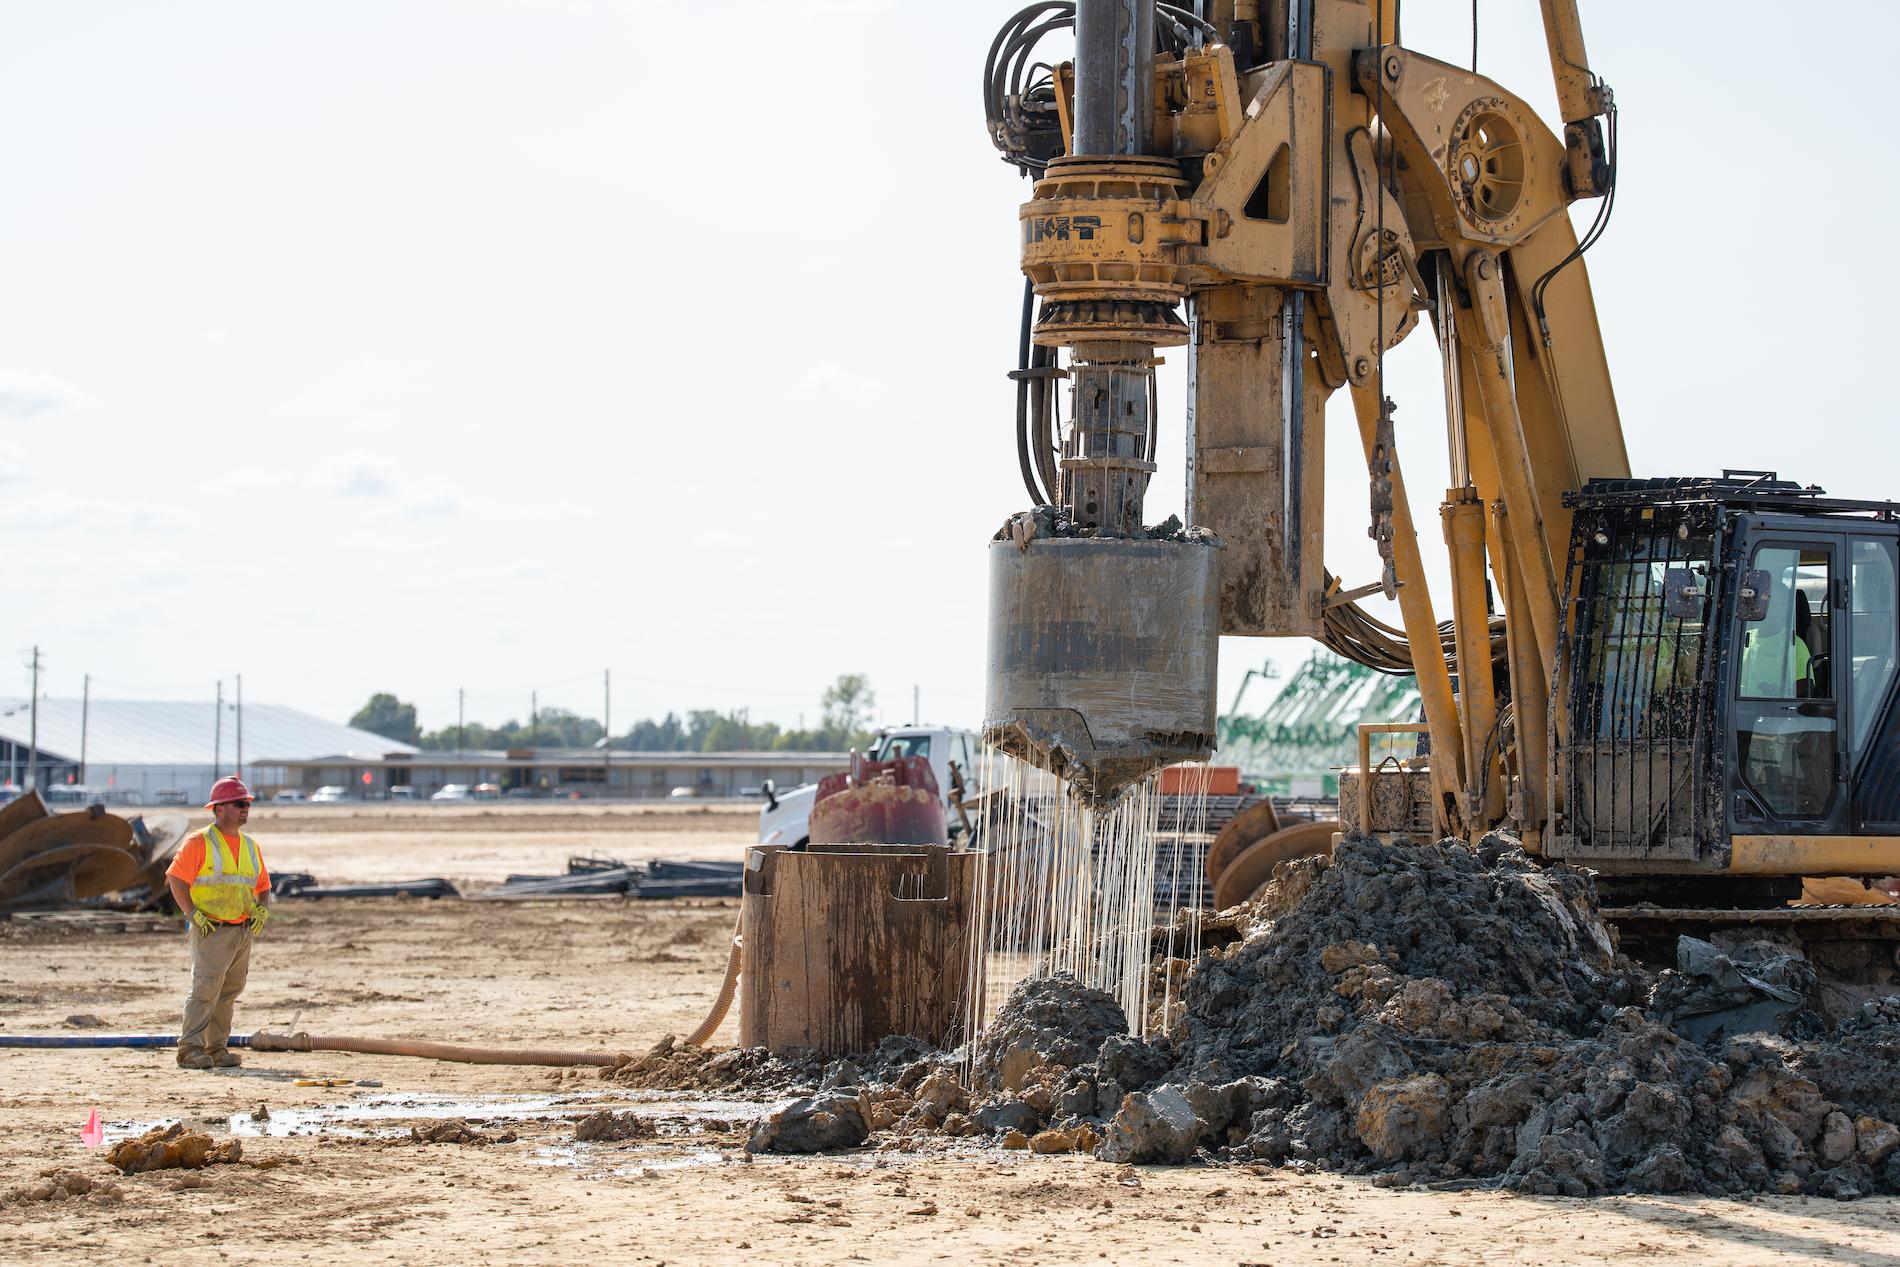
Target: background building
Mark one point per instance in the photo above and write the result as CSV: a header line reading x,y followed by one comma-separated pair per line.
x,y
146,752
573,772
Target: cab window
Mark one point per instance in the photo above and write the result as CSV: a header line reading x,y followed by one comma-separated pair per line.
x,y
1784,655
905,746
1785,722
1873,628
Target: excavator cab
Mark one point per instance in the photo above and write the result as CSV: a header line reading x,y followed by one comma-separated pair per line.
x,y
1726,702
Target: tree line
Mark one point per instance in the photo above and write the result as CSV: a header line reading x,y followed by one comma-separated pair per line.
x,y
844,723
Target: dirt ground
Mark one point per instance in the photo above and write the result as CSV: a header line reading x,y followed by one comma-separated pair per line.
x,y
334,1173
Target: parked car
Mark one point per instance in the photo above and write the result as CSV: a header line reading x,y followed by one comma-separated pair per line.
x,y
402,792
73,794
330,795
288,796
451,792
681,794
487,792
169,796
520,792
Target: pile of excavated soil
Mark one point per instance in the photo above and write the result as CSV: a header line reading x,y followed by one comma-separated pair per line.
x,y
676,1066
1429,1013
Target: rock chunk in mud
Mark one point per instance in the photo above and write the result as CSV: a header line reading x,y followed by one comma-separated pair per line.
x,y
606,1126
814,1124
1710,996
1174,1121
172,1148
457,1130
1052,1020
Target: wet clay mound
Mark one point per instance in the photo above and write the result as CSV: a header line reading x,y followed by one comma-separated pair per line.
x,y
1440,941
1860,1068
1053,1020
1439,1013
1429,1013
671,1065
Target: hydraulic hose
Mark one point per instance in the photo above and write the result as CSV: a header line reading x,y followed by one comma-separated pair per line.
x,y
280,1041
103,1040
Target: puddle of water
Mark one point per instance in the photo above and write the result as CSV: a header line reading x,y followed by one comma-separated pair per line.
x,y
360,1118
587,1158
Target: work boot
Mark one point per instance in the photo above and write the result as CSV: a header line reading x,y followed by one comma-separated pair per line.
x,y
194,1060
225,1060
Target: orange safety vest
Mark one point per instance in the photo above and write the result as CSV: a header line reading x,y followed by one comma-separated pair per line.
x,y
226,893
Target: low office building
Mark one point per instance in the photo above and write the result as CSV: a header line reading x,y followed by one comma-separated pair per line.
x,y
557,772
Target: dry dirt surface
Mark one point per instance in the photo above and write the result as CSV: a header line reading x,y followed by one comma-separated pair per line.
x,y
458,1163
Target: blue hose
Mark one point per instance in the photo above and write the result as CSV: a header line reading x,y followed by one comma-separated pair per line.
x,y
104,1040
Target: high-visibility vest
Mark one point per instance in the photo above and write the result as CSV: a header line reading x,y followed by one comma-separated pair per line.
x,y
226,892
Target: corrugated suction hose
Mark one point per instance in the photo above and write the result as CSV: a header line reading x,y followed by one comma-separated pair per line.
x,y
723,1004
265,1040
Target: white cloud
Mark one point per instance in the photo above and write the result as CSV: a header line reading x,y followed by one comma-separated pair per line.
x,y
24,393
51,510
433,501
353,474
826,379
61,510
14,464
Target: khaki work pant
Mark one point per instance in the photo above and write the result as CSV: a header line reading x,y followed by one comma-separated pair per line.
x,y
220,963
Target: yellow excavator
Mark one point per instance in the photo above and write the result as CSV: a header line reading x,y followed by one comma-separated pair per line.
x,y
1686,684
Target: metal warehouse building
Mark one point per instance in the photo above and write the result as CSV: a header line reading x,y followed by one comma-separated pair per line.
x,y
146,752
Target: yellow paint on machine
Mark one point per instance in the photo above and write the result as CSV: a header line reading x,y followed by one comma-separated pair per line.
x,y
1815,855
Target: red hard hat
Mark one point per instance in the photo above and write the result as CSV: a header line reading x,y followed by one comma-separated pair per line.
x,y
229,788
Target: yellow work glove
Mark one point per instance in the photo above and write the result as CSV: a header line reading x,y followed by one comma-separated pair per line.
x,y
202,922
258,917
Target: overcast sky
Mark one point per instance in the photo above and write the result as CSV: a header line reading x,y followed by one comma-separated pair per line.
x,y
492,343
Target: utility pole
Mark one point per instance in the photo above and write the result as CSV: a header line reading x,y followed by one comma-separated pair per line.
x,y
607,725
461,729
240,725
33,727
916,694
217,732
85,709
534,715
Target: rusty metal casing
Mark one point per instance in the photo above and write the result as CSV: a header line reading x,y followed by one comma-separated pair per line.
x,y
1102,656
845,945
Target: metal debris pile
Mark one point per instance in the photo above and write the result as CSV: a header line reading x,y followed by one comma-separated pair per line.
x,y
584,877
659,878
52,860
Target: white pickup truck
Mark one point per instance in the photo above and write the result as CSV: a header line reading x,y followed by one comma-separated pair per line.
x,y
786,818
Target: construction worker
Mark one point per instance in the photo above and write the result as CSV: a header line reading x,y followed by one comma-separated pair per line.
x,y
220,885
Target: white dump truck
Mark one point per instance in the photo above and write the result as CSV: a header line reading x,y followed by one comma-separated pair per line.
x,y
786,818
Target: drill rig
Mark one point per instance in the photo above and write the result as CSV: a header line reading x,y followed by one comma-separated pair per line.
x,y
1688,685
